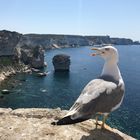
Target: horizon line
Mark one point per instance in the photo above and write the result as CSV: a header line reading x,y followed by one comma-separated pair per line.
x,y
35,33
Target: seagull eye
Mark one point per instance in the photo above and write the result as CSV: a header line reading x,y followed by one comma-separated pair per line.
x,y
107,49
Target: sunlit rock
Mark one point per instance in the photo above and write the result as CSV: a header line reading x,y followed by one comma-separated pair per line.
x,y
35,124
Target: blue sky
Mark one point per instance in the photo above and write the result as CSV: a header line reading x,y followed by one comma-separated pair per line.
x,y
117,18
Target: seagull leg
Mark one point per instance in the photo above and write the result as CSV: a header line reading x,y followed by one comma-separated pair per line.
x,y
104,119
96,123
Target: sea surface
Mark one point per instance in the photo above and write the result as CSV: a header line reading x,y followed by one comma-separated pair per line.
x,y
61,89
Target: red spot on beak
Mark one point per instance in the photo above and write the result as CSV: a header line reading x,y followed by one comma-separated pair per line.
x,y
93,54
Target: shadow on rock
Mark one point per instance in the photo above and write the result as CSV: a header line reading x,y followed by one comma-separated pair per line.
x,y
102,134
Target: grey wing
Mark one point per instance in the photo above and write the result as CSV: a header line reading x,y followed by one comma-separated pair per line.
x,y
96,97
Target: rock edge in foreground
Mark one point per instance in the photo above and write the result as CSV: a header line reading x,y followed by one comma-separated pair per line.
x,y
35,124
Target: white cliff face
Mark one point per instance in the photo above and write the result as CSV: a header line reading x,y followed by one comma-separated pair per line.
x,y
35,124
49,41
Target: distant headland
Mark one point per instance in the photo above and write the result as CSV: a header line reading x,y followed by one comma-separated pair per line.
x,y
10,40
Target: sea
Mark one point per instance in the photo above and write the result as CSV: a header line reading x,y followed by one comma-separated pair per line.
x,y
61,89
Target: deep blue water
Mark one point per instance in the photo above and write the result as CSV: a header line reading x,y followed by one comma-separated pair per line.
x,y
62,89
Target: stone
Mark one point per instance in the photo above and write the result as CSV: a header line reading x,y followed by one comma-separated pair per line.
x,y
35,70
35,124
45,64
37,60
5,91
41,74
61,62
33,56
4,111
7,71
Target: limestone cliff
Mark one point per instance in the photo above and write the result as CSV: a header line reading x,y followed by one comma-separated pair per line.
x,y
61,41
11,40
32,56
35,124
8,42
21,47
50,41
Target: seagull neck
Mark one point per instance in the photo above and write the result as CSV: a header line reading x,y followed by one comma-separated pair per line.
x,y
111,69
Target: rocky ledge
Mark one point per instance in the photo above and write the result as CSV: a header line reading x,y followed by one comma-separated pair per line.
x,y
7,71
35,124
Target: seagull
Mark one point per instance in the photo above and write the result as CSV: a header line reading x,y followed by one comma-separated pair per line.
x,y
100,96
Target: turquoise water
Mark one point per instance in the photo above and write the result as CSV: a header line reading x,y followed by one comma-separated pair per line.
x,y
62,89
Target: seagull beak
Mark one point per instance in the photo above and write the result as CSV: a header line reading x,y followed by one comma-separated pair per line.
x,y
98,51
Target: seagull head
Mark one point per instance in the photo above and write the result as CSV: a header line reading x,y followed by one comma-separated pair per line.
x,y
108,53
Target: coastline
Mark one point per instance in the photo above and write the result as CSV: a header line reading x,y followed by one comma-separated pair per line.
x,y
7,71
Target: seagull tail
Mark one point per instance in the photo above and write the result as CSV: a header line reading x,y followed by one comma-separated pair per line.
x,y
67,120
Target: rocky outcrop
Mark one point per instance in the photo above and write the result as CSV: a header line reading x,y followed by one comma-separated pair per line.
x,y
37,60
12,45
8,42
61,62
9,67
76,41
35,124
7,71
33,57
95,40
119,41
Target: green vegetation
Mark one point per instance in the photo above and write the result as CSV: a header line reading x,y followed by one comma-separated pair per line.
x,y
6,61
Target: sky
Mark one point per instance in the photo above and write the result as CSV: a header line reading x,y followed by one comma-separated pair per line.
x,y
116,18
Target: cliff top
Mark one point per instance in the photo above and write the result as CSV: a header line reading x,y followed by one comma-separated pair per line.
x,y
35,124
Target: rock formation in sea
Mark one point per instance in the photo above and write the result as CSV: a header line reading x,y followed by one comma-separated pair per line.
x,y
35,124
61,62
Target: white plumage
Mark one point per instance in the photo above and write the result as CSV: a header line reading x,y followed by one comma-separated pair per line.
x,y
100,96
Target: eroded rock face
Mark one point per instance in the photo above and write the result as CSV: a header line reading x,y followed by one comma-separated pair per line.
x,y
11,69
34,57
61,62
8,42
37,61
35,124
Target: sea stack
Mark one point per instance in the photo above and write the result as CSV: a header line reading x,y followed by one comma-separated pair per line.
x,y
61,62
